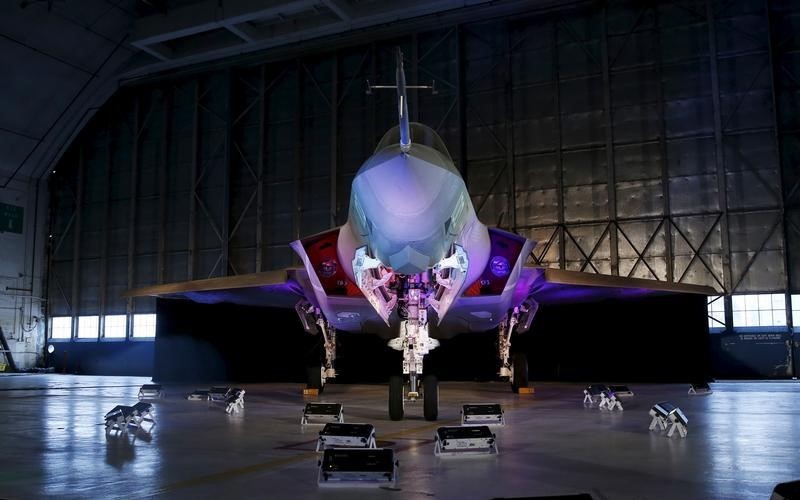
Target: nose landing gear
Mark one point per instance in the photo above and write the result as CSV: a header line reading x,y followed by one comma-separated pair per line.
x,y
415,344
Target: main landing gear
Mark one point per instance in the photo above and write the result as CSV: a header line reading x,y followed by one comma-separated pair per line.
x,y
515,367
315,323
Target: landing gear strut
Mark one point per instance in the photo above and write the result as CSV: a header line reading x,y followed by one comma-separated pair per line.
x,y
329,343
515,367
415,344
315,323
412,294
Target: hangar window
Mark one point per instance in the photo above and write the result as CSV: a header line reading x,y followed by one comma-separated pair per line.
x,y
716,312
796,311
144,326
88,327
61,328
767,309
114,326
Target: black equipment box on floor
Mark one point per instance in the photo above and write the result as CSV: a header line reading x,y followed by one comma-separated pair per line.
x,y
357,467
321,413
351,435
620,390
465,440
482,414
151,391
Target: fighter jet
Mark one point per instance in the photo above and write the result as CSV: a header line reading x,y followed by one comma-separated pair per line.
x,y
413,264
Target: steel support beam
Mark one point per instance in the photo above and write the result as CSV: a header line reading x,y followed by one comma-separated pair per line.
x,y
662,151
727,279
163,192
206,16
132,206
461,97
509,126
190,248
298,152
227,159
340,8
787,270
106,228
262,117
611,178
76,242
562,237
244,31
334,147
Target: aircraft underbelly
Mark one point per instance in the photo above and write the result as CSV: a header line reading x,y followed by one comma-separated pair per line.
x,y
469,314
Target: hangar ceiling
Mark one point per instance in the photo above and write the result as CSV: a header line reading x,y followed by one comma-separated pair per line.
x,y
59,60
65,58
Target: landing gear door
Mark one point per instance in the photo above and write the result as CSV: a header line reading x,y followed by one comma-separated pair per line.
x,y
450,274
372,277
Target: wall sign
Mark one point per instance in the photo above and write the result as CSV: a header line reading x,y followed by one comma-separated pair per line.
x,y
11,218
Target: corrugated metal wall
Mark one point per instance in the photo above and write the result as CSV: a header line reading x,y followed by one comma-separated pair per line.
x,y
656,141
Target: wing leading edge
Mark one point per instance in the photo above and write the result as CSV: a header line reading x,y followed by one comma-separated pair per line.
x,y
282,288
559,286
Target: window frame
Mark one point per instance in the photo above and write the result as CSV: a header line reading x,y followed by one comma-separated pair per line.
x,y
77,336
124,336
714,325
752,307
52,329
140,338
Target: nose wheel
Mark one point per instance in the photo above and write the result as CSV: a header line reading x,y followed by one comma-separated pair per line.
x,y
398,397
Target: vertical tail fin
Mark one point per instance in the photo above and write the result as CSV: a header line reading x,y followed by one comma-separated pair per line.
x,y
402,105
402,100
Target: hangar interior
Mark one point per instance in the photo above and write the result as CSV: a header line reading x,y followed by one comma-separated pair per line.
x,y
169,141
151,142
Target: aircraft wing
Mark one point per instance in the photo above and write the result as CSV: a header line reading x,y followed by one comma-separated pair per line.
x,y
479,311
559,286
282,288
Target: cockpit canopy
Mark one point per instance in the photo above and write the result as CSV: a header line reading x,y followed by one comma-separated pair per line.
x,y
420,134
409,208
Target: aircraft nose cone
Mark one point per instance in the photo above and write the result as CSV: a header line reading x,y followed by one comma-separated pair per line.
x,y
408,261
408,208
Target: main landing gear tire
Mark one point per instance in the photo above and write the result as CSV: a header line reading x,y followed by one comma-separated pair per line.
x,y
396,397
314,377
519,364
430,392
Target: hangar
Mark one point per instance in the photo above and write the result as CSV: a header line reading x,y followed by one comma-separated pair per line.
x,y
355,202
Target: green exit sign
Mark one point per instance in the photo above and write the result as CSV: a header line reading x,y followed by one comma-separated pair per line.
x,y
11,218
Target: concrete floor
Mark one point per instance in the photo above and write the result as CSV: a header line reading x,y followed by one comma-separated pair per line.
x,y
743,439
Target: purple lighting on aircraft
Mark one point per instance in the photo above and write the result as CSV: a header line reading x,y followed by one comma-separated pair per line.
x,y
499,266
328,268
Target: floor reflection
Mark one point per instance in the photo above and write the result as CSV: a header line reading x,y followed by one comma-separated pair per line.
x,y
74,432
746,434
119,449
742,440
